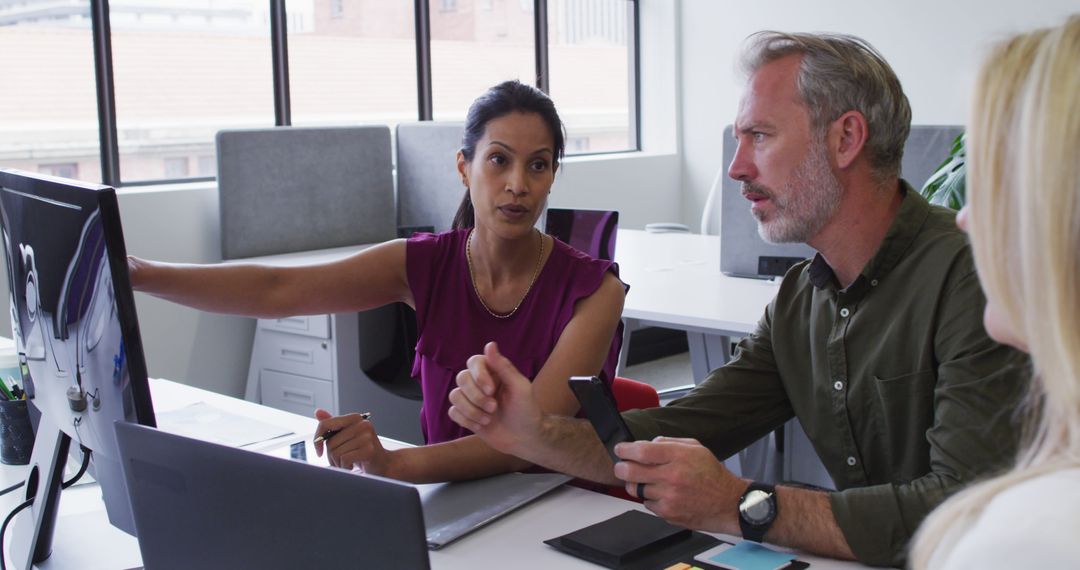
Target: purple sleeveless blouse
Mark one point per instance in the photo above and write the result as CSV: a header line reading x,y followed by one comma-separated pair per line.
x,y
452,325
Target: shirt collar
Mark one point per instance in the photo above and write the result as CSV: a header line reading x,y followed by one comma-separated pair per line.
x,y
914,210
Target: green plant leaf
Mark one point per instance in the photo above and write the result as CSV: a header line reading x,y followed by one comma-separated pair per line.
x,y
946,186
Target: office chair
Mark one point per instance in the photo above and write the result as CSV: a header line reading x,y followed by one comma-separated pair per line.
x,y
634,395
428,194
393,328
589,231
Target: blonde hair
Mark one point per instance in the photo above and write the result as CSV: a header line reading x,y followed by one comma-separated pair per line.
x,y
1024,201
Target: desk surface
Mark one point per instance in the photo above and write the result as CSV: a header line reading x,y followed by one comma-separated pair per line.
x,y
82,529
675,281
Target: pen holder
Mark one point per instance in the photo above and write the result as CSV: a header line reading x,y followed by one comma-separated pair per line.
x,y
16,433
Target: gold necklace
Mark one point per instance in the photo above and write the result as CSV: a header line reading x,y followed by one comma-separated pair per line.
x,y
472,277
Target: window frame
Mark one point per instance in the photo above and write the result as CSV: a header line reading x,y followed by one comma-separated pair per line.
x,y
106,96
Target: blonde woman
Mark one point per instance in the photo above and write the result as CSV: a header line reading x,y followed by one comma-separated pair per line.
x,y
1024,222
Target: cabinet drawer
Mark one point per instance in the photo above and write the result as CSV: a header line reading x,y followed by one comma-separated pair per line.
x,y
313,325
301,355
295,394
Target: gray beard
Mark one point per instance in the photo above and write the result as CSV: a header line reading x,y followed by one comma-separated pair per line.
x,y
810,199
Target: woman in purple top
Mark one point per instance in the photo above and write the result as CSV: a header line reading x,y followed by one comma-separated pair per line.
x,y
553,311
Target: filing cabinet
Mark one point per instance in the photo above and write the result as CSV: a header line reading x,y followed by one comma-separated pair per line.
x,y
302,363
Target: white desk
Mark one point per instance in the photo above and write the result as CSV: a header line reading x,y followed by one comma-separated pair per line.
x,y
675,282
85,540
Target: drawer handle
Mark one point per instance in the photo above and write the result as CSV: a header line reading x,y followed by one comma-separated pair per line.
x,y
298,355
298,396
293,322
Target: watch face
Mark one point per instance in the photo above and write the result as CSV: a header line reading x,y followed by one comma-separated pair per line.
x,y
757,507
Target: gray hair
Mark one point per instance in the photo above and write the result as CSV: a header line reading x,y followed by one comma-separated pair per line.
x,y
841,73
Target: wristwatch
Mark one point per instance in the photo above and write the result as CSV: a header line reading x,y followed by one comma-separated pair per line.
x,y
757,511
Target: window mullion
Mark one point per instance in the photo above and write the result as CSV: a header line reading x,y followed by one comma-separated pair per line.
x,y
106,95
540,27
279,48
422,15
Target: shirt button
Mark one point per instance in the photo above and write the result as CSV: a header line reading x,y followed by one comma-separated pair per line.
x,y
844,312
873,283
851,461
838,385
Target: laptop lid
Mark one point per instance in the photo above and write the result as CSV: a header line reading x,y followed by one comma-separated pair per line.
x,y
202,505
452,510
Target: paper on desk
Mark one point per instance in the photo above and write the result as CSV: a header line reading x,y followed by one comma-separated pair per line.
x,y
205,422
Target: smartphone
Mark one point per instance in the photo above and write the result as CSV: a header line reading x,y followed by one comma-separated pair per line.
x,y
598,403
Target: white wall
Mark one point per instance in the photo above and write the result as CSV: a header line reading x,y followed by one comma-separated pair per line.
x,y
935,47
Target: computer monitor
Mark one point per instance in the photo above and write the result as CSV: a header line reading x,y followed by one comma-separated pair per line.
x,y
590,231
74,323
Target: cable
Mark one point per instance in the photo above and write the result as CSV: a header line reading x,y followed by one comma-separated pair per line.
x,y
3,529
12,488
30,501
82,469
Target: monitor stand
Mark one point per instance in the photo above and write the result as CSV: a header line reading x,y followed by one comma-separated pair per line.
x,y
32,534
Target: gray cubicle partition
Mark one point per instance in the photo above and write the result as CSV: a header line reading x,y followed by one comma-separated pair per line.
x,y
429,188
287,189
740,245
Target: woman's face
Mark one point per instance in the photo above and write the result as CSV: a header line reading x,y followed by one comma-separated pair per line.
x,y
993,320
510,175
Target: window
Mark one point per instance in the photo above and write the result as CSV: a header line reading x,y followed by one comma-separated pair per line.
x,y
591,51
48,107
62,169
207,166
359,69
179,79
474,50
176,167
181,71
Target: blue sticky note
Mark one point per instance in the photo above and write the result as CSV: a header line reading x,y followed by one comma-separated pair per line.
x,y
748,555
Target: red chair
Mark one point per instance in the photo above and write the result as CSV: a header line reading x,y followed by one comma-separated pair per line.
x,y
631,395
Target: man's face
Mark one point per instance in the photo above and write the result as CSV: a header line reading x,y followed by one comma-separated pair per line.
x,y
784,167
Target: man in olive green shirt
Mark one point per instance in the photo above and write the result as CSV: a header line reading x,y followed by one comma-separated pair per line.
x,y
876,345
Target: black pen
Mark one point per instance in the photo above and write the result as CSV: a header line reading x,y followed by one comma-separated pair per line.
x,y
332,432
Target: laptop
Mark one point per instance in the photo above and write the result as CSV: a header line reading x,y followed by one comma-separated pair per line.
x,y
453,510
202,505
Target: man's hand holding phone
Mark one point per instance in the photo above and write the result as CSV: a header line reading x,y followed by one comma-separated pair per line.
x,y
598,403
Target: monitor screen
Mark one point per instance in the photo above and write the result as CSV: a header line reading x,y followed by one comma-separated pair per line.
x,y
590,231
73,318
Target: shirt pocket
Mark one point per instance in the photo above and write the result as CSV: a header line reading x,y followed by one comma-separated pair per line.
x,y
905,412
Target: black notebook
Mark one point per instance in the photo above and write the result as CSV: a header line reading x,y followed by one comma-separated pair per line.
x,y
632,539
